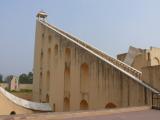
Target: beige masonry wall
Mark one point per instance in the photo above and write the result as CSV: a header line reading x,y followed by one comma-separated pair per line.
x,y
151,75
141,61
155,56
7,106
148,57
25,86
10,104
71,78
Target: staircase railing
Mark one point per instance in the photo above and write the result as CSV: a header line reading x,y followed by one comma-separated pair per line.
x,y
116,62
156,101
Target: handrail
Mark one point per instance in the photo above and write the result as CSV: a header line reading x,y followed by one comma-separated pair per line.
x,y
117,62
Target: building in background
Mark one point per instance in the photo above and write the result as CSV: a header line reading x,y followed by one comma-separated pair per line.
x,y
14,84
139,58
151,75
25,86
145,60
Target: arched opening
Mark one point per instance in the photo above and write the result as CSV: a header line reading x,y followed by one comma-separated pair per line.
x,y
67,79
54,107
67,54
66,104
48,80
43,40
47,98
42,35
83,105
49,39
84,78
40,76
40,81
56,50
49,56
40,86
148,56
156,61
40,91
110,106
12,113
41,57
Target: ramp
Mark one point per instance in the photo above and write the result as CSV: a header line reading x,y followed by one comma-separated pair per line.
x,y
12,103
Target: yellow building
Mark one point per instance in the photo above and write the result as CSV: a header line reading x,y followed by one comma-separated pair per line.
x,y
71,75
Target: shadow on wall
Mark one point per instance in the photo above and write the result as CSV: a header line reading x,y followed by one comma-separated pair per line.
x,y
47,98
12,113
156,61
110,106
83,105
66,104
84,78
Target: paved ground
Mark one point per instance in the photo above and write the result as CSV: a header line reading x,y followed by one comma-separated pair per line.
x,y
140,115
135,113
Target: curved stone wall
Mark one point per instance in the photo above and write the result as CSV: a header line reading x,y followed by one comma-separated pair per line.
x,y
11,103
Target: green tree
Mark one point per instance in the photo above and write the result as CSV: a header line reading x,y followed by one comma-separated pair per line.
x,y
26,78
8,79
23,78
30,77
1,78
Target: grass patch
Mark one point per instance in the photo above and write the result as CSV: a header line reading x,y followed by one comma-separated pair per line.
x,y
20,91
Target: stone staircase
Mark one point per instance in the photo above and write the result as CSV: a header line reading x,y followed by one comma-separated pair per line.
x,y
114,61
128,70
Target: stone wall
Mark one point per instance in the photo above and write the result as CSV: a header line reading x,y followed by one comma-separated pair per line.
x,y
7,106
71,77
146,57
10,104
141,61
25,86
151,75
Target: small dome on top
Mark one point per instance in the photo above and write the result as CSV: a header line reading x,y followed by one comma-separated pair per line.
x,y
42,15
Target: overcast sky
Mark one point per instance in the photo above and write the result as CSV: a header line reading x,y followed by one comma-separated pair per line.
x,y
110,25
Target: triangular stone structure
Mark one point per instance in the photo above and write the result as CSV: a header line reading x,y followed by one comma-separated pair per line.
x,y
72,75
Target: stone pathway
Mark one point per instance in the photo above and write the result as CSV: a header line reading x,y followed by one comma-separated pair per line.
x,y
135,113
140,115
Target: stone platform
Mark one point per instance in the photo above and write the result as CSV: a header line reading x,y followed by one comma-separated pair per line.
x,y
135,113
